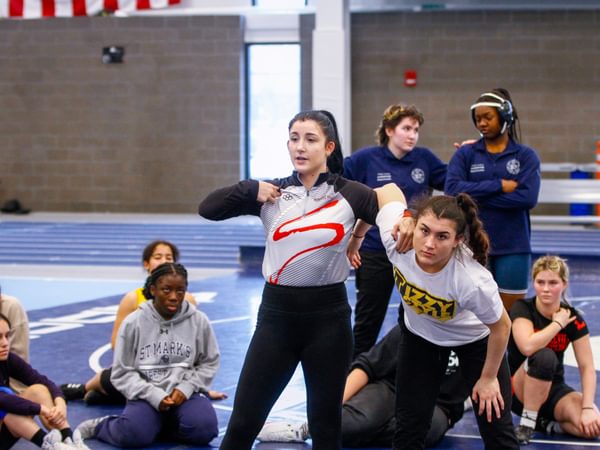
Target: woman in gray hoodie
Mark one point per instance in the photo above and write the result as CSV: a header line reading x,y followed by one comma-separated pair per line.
x,y
166,357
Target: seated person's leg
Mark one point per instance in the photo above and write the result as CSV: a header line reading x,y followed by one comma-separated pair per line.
x,y
565,404
138,426
101,390
196,421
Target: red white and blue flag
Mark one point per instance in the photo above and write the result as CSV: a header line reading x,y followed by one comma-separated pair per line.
x,y
37,9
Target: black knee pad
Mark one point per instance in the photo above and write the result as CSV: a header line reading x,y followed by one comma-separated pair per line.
x,y
542,364
107,385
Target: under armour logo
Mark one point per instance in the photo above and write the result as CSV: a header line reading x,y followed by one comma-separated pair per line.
x,y
164,331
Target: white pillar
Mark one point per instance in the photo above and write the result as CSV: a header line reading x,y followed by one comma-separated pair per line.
x,y
331,65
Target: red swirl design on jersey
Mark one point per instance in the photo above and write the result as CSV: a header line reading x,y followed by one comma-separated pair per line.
x,y
279,234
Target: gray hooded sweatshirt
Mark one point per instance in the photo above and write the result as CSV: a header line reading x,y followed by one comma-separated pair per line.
x,y
153,356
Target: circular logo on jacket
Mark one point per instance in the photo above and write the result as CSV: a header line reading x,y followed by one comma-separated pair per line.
x,y
418,175
513,166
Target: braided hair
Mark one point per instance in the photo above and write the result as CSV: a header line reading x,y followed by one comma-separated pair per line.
x,y
162,270
462,210
328,125
492,98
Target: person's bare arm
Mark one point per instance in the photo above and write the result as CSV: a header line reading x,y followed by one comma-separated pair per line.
x,y
356,380
389,193
190,298
127,305
487,389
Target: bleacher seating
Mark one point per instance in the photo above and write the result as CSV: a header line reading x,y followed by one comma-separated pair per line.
x,y
568,191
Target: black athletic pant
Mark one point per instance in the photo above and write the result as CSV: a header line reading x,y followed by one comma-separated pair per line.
x,y
308,325
421,366
374,286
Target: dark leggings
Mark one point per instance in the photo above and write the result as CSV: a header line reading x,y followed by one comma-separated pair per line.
x,y
308,325
374,286
421,366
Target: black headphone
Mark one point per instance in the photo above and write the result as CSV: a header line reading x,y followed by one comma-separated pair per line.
x,y
503,106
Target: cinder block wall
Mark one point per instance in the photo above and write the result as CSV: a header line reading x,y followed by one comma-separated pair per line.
x,y
153,134
158,132
548,60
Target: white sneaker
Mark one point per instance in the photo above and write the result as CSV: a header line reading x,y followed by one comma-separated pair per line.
x,y
87,429
468,404
77,441
283,432
53,441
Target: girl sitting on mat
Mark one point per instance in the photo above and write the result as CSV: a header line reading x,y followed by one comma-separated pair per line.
x,y
543,327
99,389
40,397
166,357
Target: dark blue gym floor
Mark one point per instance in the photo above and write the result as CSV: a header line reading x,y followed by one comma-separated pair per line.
x,y
70,337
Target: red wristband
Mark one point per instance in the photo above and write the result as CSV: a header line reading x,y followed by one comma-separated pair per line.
x,y
407,213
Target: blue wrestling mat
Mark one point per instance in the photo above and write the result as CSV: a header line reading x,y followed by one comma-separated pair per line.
x,y
70,341
67,341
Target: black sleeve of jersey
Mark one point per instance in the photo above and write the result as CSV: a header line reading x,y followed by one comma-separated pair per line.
x,y
231,201
578,328
380,361
521,309
362,199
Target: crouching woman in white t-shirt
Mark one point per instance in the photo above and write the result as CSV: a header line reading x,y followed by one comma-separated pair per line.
x,y
450,302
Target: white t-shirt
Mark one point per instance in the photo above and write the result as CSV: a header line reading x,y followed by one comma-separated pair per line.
x,y
447,308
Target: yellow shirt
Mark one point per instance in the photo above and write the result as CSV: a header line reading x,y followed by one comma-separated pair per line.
x,y
139,294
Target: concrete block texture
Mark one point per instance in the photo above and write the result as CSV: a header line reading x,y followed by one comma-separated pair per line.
x,y
80,135
548,60
158,132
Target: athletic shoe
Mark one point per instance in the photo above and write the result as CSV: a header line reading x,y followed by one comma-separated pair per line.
x,y
524,434
548,426
468,404
284,432
73,391
53,441
76,441
87,428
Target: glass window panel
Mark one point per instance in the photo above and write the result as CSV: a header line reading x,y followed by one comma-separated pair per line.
x,y
273,99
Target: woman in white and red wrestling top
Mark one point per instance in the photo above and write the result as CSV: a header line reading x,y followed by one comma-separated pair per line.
x,y
304,316
543,327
